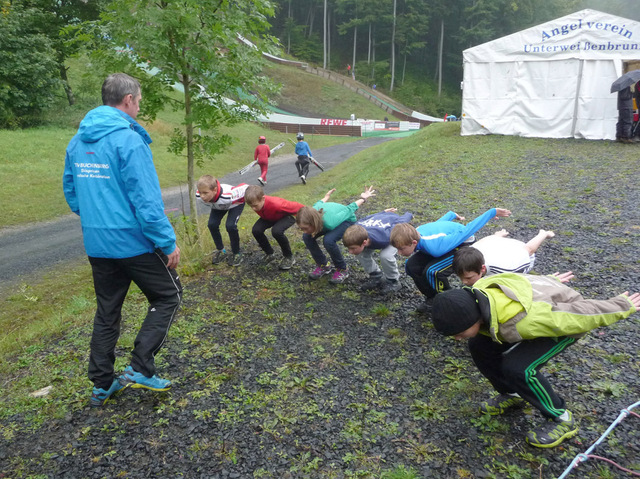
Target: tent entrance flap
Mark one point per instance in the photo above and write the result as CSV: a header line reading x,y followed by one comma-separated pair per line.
x,y
575,103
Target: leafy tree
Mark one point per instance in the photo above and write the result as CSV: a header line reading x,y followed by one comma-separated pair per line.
x,y
411,35
195,44
28,71
56,19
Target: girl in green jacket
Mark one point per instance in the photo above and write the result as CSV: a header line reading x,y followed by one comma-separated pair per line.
x,y
329,220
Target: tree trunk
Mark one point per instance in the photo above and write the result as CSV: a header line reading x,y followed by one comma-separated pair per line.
x,y
310,18
373,54
369,52
324,37
404,66
329,38
440,57
65,84
193,209
289,31
353,63
393,46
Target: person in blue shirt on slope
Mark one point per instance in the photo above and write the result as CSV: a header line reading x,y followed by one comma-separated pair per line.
x,y
304,153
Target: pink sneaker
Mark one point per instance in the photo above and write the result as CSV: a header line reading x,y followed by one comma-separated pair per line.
x,y
339,276
320,271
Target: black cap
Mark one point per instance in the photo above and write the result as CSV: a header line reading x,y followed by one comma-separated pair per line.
x,y
455,311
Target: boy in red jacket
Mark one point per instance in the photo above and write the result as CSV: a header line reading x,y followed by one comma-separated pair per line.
x,y
277,214
261,155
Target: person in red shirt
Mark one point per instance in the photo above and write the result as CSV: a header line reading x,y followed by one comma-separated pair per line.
x,y
261,155
275,213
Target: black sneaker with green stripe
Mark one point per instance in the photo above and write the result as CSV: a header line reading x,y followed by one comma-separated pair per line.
x,y
500,404
553,432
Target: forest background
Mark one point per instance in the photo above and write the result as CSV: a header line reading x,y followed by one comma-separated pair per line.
x,y
410,49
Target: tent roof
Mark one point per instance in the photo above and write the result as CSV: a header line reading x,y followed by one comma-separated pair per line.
x,y
585,34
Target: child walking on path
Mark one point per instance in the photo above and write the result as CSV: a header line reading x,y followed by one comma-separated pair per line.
x,y
302,163
370,234
277,214
497,254
329,220
223,199
434,245
515,324
261,155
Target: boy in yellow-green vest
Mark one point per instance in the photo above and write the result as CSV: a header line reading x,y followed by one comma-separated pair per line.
x,y
515,324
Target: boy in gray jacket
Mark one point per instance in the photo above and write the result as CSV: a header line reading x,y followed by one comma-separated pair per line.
x,y
515,324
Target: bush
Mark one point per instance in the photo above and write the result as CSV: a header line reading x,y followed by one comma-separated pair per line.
x,y
29,74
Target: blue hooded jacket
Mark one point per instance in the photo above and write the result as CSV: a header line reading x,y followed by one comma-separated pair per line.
x,y
443,235
110,180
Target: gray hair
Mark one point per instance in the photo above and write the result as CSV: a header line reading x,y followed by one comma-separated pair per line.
x,y
117,86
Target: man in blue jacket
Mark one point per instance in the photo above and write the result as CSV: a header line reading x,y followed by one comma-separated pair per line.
x,y
110,181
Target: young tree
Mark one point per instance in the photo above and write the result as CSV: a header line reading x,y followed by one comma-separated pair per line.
x,y
196,44
56,19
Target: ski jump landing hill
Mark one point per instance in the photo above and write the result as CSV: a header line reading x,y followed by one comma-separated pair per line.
x,y
286,123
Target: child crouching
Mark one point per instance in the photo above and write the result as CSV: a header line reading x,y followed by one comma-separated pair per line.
x,y
330,220
275,213
370,234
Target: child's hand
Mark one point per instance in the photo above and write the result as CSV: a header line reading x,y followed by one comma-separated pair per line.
x,y
391,210
502,212
564,277
327,195
634,298
460,218
368,193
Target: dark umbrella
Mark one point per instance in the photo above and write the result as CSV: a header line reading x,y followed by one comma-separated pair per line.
x,y
625,80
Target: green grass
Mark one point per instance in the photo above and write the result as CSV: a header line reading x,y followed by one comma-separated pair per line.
x,y
316,94
32,161
48,322
411,171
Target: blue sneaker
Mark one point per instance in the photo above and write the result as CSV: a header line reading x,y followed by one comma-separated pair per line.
x,y
100,396
134,379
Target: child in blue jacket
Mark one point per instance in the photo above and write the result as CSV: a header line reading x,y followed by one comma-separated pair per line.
x,y
303,152
434,245
371,234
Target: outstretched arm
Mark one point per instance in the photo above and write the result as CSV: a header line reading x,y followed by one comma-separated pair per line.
x,y
501,212
366,194
328,195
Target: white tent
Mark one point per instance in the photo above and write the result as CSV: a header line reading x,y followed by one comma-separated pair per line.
x,y
550,81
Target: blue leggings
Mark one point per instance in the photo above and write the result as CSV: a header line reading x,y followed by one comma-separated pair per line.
x,y
330,242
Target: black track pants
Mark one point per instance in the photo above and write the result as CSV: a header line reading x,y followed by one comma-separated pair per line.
x,y
111,279
515,368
